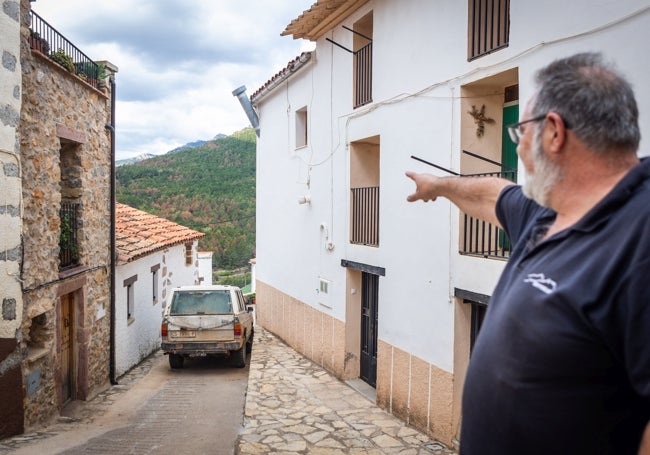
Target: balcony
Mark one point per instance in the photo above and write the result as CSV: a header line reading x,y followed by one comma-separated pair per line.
x,y
363,76
483,239
365,216
68,238
50,43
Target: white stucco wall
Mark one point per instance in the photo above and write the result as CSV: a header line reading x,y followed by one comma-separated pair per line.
x,y
11,311
139,336
419,66
205,267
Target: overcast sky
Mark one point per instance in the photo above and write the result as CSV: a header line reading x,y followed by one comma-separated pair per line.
x,y
179,61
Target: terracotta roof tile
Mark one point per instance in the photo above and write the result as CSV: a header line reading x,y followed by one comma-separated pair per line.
x,y
139,233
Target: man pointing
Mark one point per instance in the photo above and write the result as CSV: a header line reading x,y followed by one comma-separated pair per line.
x,y
562,361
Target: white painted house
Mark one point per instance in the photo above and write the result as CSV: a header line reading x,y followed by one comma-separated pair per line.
x,y
348,272
154,255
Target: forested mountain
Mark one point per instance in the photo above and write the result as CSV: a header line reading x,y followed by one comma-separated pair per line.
x,y
210,188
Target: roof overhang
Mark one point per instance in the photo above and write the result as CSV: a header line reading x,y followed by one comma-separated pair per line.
x,y
321,17
293,66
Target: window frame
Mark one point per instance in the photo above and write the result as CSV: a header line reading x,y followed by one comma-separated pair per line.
x,y
130,297
302,129
488,27
154,283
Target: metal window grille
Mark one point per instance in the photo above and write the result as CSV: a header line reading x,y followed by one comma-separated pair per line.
x,y
68,238
365,216
489,26
363,81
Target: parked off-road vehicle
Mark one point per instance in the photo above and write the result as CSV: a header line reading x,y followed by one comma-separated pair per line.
x,y
206,320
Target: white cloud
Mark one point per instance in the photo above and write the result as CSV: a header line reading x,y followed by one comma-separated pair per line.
x,y
179,61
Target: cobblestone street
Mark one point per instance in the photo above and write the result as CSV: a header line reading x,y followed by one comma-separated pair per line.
x,y
292,406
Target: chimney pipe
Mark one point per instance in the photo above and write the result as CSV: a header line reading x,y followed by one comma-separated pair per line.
x,y
245,102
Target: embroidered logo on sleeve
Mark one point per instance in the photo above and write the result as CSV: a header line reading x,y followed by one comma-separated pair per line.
x,y
539,281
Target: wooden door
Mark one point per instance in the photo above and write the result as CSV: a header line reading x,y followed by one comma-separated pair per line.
x,y
67,347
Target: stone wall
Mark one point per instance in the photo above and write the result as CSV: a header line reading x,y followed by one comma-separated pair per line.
x,y
11,302
64,154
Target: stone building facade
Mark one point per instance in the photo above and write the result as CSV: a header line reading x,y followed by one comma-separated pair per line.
x,y
55,151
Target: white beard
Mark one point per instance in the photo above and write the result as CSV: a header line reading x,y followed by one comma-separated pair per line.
x,y
546,174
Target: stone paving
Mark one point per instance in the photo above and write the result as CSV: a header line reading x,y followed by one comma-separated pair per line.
x,y
293,406
83,412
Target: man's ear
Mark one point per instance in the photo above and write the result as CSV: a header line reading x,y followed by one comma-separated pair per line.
x,y
556,132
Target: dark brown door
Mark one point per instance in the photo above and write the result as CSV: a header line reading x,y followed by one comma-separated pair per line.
x,y
67,346
369,307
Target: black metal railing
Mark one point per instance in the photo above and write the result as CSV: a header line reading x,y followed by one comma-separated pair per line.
x,y
68,238
363,75
48,41
480,238
365,216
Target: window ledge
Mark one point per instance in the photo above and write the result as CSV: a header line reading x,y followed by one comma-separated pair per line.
x,y
67,273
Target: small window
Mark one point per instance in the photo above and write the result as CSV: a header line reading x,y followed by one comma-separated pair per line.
x,y
154,283
242,303
301,127
188,254
324,286
488,27
130,297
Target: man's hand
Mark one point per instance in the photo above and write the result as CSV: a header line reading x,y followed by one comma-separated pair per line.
x,y
475,196
424,187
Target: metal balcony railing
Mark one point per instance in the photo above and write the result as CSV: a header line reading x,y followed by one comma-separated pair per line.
x,y
48,41
363,75
68,238
480,238
365,216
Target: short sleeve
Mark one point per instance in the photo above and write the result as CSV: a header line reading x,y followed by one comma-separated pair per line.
x,y
515,211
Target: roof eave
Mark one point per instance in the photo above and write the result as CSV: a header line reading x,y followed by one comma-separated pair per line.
x,y
293,67
321,17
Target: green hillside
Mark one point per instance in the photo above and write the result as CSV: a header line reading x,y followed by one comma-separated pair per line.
x,y
210,188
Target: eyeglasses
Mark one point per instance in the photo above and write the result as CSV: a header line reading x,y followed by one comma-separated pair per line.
x,y
515,132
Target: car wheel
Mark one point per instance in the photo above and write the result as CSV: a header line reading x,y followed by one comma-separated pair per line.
x,y
176,361
238,357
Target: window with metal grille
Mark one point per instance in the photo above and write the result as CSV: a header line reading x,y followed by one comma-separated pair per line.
x,y
68,235
365,216
488,27
363,30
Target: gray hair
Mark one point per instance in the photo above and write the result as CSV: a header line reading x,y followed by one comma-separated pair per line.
x,y
594,101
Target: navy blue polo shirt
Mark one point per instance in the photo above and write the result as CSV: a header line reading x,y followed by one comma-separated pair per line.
x,y
562,360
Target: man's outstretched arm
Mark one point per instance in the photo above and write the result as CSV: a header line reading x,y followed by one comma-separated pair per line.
x,y
475,196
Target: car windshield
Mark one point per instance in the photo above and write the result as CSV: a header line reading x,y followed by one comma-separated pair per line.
x,y
200,302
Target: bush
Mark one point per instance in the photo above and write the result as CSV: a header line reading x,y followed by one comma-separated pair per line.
x,y
63,59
